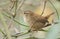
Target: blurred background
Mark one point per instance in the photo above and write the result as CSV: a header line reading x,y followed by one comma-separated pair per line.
x,y
14,25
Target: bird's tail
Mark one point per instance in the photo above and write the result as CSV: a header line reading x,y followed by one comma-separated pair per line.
x,y
49,15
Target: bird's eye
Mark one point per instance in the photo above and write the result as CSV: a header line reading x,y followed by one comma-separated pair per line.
x,y
26,12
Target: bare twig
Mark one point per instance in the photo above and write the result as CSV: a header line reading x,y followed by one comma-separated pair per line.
x,y
15,4
19,34
54,8
15,20
2,32
5,26
21,4
44,7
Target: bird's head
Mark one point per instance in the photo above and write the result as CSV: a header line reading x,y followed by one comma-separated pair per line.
x,y
28,13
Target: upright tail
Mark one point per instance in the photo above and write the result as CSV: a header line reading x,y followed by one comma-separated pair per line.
x,y
49,15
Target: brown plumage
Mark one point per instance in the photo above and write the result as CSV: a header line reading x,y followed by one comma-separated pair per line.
x,y
36,22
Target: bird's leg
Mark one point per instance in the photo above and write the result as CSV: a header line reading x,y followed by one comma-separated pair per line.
x,y
29,30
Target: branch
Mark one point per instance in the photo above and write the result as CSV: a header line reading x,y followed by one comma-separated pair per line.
x,y
54,8
15,20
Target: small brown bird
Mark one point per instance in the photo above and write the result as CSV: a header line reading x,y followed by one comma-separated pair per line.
x,y
35,21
